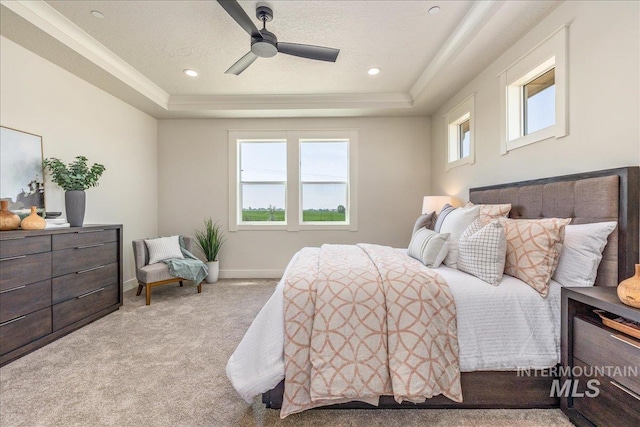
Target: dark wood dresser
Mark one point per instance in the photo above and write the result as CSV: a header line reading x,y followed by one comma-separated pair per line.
x,y
53,282
592,351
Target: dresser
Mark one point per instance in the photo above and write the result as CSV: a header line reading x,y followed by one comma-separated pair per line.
x,y
601,364
53,282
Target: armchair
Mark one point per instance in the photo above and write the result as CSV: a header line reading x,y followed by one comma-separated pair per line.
x,y
155,274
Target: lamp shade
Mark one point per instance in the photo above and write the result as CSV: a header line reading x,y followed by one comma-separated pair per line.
x,y
434,203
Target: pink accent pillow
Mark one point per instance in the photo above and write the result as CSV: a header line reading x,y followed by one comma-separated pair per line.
x,y
489,213
533,249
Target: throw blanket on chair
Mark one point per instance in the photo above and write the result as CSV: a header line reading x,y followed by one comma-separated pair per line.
x,y
365,321
190,268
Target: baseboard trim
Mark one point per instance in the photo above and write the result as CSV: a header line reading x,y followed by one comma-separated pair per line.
x,y
129,284
251,274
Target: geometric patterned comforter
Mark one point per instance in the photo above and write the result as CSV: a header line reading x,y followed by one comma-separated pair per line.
x,y
362,321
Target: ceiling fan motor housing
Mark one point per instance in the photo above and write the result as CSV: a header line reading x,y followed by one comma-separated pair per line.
x,y
265,47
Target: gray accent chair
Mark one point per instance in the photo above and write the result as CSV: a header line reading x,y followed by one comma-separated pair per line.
x,y
155,274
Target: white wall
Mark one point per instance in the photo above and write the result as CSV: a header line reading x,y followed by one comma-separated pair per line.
x,y
393,176
75,118
604,104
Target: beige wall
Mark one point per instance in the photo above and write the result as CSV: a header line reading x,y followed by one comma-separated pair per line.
x,y
604,104
393,176
75,118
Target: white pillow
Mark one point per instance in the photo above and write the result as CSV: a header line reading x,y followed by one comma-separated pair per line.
x,y
164,248
455,223
482,251
428,247
582,252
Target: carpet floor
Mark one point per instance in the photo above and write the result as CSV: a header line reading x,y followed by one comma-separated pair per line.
x,y
164,365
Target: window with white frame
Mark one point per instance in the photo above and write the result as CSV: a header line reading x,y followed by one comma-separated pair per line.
x,y
292,180
461,134
534,105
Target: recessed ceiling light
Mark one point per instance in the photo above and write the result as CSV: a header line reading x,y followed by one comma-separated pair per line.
x,y
191,73
373,71
97,14
434,10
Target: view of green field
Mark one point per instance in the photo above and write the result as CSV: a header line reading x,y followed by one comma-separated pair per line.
x,y
278,215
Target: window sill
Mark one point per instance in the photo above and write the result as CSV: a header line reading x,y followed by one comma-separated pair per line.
x,y
319,226
262,227
460,162
541,135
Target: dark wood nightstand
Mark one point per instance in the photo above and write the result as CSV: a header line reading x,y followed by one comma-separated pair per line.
x,y
600,365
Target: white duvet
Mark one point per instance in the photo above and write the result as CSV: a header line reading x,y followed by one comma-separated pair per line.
x,y
503,327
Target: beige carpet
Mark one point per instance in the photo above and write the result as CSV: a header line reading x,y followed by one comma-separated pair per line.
x,y
163,365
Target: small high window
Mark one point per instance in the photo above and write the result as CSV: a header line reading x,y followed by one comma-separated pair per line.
x,y
539,107
461,140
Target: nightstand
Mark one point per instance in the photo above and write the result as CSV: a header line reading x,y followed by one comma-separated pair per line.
x,y
600,365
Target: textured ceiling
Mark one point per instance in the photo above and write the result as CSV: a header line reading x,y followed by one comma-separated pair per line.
x,y
139,50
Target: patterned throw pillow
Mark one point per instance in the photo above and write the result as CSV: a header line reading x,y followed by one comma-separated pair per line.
x,y
489,213
424,221
482,250
428,247
164,248
455,221
533,249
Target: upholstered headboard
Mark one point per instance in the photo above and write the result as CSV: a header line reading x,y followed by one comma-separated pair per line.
x,y
608,195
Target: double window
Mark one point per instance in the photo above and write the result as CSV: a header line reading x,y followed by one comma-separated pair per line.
x,y
292,180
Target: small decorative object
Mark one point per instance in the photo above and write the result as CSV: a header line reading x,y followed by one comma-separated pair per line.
x,y
74,178
629,290
33,221
210,241
8,220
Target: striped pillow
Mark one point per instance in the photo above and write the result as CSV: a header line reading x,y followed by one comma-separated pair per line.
x,y
429,247
482,250
163,248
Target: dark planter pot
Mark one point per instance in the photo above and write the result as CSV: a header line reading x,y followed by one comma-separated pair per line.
x,y
74,203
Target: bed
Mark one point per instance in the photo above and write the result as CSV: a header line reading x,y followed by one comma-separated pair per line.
x,y
490,382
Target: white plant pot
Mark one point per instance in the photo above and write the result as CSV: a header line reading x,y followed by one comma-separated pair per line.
x,y
214,270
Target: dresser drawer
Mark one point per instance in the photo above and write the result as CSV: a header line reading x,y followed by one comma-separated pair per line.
x,y
599,347
24,269
84,258
24,299
83,238
76,284
24,246
71,311
22,330
613,406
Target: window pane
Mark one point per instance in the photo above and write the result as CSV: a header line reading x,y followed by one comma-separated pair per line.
x,y
324,161
464,133
263,161
324,202
540,103
263,202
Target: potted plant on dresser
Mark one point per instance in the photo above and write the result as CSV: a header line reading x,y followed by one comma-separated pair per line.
x,y
74,178
210,241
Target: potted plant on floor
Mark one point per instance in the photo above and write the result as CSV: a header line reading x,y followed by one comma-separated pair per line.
x,y
74,178
210,241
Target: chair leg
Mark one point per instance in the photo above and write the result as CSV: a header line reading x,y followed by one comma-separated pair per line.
x,y
148,295
200,287
139,289
181,284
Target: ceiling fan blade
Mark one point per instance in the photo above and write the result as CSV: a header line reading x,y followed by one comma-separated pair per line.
x,y
308,51
236,11
242,64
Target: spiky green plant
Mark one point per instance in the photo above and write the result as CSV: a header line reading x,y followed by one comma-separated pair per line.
x,y
74,176
210,240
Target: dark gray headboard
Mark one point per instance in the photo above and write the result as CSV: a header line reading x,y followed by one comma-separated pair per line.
x,y
608,195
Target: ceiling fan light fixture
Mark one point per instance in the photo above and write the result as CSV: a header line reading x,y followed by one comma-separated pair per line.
x,y
190,73
373,71
97,14
434,10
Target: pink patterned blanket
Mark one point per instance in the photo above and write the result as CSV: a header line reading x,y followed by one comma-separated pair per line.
x,y
365,321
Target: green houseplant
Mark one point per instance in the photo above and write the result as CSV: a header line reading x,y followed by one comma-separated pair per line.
x,y
74,178
210,241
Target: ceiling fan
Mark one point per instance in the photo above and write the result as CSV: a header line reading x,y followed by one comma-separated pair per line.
x,y
265,44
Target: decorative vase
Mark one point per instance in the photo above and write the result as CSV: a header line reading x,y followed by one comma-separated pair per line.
x,y
8,220
33,221
629,290
74,203
214,270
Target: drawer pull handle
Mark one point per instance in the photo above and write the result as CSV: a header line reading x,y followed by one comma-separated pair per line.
x,y
90,231
15,238
619,338
90,246
13,289
90,293
12,320
90,269
626,390
13,257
